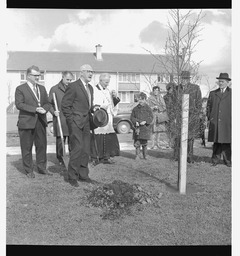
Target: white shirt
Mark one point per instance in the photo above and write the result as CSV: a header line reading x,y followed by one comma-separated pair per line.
x,y
88,91
33,89
223,89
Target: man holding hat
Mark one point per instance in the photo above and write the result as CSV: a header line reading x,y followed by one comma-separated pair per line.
x,y
104,141
219,115
77,107
195,106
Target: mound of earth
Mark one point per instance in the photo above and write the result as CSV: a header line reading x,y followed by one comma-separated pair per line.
x,y
116,198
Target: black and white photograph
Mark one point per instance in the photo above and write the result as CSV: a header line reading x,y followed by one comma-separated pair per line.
x,y
119,128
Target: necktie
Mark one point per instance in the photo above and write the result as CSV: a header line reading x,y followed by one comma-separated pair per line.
x,y
36,90
88,93
222,91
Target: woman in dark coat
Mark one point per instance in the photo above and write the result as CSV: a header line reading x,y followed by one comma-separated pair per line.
x,y
142,118
219,115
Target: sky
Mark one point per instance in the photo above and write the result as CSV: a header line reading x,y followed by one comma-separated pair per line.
x,y
119,31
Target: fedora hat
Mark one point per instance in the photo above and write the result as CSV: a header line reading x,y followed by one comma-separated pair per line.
x,y
224,76
100,118
185,74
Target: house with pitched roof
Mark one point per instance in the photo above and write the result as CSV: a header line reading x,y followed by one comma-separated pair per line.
x,y
130,73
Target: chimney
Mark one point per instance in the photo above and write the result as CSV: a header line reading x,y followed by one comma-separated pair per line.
x,y
99,52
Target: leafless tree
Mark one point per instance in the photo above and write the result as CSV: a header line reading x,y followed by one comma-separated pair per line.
x,y
184,35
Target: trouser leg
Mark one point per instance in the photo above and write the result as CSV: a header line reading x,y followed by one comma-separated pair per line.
x,y
217,151
226,152
79,154
144,149
59,149
190,149
26,144
176,148
40,141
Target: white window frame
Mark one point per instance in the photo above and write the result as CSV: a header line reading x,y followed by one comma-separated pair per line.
x,y
128,77
24,75
129,96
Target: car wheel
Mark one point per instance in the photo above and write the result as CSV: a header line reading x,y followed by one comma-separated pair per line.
x,y
123,127
50,129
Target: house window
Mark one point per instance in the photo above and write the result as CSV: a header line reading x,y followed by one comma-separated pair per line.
x,y
127,97
128,77
137,77
23,76
163,78
41,78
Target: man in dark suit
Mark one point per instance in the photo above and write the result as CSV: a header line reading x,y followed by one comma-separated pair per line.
x,y
219,116
59,91
77,106
31,100
195,107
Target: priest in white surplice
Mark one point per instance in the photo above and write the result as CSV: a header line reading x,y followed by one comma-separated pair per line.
x,y
106,137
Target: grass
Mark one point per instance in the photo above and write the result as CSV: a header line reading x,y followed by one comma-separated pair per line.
x,y
49,211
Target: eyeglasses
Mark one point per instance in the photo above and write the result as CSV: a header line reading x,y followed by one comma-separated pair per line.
x,y
34,75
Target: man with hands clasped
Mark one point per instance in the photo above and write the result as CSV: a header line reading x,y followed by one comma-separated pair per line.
x,y
31,100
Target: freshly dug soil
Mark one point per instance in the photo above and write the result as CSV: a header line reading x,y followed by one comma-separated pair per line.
x,y
117,197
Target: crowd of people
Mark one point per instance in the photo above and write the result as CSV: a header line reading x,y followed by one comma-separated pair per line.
x,y
86,115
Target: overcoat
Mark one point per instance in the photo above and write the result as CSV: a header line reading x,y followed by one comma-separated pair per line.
x,y
159,102
219,114
26,103
59,90
195,107
142,113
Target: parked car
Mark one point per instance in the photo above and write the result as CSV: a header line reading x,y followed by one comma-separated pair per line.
x,y
122,123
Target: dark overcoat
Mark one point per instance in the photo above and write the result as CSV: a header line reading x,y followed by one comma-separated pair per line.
x,y
219,114
59,90
76,107
142,113
195,107
26,103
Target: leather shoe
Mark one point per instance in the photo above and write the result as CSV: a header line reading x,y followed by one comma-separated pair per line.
x,y
45,172
31,175
88,180
74,183
228,164
214,164
108,161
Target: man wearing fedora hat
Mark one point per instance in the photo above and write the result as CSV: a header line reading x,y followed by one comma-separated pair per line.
x,y
77,107
219,115
195,106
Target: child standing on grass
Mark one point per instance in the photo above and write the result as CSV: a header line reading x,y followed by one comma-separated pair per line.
x,y
142,118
